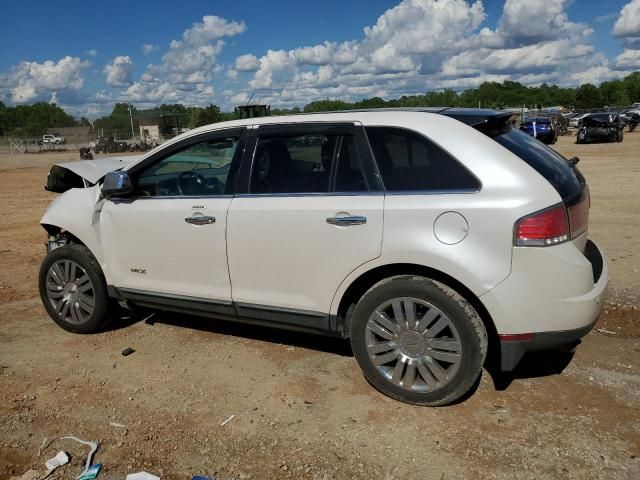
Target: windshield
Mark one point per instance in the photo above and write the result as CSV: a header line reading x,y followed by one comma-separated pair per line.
x,y
565,178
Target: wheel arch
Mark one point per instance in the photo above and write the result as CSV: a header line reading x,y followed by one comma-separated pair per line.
x,y
366,280
56,230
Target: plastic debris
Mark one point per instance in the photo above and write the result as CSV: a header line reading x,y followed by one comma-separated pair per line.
x,y
94,447
92,473
608,332
127,351
60,459
117,425
227,420
142,476
202,477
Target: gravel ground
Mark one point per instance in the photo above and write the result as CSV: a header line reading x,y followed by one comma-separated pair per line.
x,y
302,409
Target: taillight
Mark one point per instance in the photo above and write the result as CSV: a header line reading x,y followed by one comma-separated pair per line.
x,y
579,215
542,229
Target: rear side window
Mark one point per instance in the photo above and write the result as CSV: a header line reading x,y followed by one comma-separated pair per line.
x,y
313,163
410,162
567,180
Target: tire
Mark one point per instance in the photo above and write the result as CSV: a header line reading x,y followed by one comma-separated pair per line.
x,y
620,136
434,362
73,289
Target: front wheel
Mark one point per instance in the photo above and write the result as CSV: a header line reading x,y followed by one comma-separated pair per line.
x,y
418,341
73,289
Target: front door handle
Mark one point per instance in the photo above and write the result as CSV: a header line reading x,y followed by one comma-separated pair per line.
x,y
200,220
347,221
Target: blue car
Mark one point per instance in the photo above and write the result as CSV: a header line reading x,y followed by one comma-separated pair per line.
x,y
541,128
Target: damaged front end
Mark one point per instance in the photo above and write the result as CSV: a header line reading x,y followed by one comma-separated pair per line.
x,y
601,127
85,173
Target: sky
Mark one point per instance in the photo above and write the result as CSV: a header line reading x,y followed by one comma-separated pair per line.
x,y
85,56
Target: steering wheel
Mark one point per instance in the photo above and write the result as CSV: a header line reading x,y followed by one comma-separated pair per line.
x,y
191,183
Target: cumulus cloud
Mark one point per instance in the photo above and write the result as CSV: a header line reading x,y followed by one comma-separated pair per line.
x,y
415,46
432,44
275,65
246,63
187,69
33,81
527,23
211,28
147,48
628,22
425,26
628,60
118,72
548,56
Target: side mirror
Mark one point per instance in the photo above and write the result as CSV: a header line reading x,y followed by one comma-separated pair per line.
x,y
116,184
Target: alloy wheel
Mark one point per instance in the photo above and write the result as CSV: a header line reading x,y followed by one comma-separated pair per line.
x,y
70,292
413,344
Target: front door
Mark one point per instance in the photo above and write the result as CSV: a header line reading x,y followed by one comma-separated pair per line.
x,y
313,213
169,238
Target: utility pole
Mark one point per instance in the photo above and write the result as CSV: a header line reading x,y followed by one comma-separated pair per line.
x,y
133,135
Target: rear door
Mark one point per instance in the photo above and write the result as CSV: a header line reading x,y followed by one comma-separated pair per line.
x,y
312,213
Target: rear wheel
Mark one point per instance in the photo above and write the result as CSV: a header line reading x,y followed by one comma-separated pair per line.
x,y
73,289
418,341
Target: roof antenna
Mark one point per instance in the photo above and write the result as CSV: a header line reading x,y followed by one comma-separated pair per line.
x,y
252,94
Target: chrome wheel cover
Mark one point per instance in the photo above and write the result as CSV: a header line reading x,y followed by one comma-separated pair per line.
x,y
413,344
70,292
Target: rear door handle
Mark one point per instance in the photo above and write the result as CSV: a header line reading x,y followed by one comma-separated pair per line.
x,y
347,221
200,220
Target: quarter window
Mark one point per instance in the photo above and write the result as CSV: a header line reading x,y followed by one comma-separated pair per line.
x,y
197,170
410,162
314,163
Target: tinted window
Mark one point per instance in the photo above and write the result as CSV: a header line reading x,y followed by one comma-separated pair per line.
x,y
567,180
305,164
199,169
408,161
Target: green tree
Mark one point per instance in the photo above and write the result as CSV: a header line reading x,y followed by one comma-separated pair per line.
x,y
327,106
632,86
614,93
588,96
204,116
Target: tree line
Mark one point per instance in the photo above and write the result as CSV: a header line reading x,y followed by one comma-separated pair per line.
x,y
33,120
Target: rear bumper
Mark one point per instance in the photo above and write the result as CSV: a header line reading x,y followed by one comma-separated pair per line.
x,y
552,298
512,351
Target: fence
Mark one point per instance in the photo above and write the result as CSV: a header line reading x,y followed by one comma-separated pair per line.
x,y
35,145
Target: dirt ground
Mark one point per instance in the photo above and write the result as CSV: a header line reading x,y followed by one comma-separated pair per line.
x,y
302,408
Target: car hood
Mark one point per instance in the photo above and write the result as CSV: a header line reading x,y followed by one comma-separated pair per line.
x,y
64,176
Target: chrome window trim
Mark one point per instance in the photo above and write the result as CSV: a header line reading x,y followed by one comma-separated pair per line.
x,y
459,191
311,194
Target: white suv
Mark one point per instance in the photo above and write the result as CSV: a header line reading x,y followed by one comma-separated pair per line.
x,y
426,237
53,138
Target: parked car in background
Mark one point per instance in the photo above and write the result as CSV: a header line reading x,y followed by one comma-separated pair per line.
x,y
633,119
426,237
575,121
629,117
53,138
601,127
541,128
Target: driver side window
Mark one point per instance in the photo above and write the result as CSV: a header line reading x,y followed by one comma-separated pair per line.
x,y
199,169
